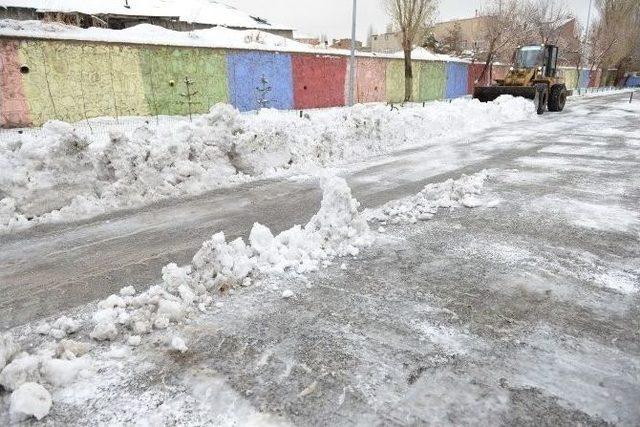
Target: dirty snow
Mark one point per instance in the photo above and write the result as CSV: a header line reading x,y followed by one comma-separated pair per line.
x,y
63,173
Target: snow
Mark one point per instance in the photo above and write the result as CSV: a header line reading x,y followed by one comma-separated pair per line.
x,y
198,11
30,400
463,192
216,37
8,349
60,372
24,368
63,173
287,294
178,344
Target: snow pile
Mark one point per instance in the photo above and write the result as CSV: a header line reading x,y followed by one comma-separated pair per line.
x,y
463,192
53,364
62,173
336,230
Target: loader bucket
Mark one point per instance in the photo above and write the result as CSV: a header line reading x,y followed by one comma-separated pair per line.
x,y
490,93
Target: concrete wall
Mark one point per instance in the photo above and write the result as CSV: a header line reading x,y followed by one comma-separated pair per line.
x,y
395,81
14,110
73,81
164,70
246,70
371,80
318,81
433,80
457,80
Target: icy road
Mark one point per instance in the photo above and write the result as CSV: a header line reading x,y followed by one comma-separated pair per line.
x,y
524,311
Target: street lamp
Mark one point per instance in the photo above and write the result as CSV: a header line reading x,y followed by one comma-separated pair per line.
x,y
352,61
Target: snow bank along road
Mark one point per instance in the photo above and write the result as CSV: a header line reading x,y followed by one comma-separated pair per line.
x,y
54,268
518,305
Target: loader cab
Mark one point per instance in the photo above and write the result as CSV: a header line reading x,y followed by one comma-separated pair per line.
x,y
543,57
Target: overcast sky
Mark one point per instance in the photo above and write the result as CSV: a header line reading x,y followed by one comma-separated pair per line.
x,y
333,17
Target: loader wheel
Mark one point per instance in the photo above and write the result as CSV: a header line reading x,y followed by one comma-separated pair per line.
x,y
541,98
558,98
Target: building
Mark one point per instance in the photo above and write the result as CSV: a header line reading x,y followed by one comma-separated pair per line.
x,y
471,32
345,44
389,42
180,15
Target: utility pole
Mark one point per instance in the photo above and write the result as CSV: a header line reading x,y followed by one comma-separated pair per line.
x,y
352,62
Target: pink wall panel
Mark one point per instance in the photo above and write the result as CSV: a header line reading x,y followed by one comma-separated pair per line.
x,y
15,109
371,78
318,81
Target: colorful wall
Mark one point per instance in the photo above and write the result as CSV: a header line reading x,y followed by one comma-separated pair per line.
x,y
268,71
71,80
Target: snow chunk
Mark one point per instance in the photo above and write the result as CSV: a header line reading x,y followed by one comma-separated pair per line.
x,y
30,400
62,327
172,310
104,331
134,340
24,368
59,372
128,291
178,344
8,349
287,294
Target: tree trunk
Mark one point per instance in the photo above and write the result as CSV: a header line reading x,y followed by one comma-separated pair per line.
x,y
408,75
487,66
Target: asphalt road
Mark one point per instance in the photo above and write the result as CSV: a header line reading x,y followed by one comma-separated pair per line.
x,y
49,269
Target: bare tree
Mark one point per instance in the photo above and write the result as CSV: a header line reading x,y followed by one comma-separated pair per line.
x,y
506,26
412,18
548,18
615,34
452,42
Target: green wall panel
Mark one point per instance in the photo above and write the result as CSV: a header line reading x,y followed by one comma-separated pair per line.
x,y
433,80
570,77
75,81
164,70
395,81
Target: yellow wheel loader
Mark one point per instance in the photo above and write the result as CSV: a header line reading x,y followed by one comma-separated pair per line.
x,y
534,75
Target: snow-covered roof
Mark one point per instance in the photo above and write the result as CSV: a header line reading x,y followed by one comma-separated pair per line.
x,y
196,11
216,37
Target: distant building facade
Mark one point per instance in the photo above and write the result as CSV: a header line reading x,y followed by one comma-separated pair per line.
x,y
346,44
389,42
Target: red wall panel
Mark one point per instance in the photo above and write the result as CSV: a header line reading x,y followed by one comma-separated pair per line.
x,y
15,109
318,81
475,71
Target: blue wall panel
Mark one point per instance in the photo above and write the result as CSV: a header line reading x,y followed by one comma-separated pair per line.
x,y
584,78
246,70
633,81
457,80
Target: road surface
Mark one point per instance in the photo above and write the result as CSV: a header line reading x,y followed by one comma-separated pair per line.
x,y
52,268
